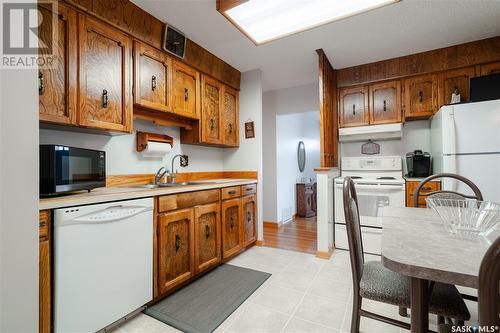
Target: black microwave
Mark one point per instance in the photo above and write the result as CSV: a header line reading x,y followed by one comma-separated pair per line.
x,y
67,169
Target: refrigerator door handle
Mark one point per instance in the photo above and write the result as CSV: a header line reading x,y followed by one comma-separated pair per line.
x,y
452,135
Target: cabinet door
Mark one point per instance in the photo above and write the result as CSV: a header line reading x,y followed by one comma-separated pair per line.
x,y
248,219
420,96
230,107
490,68
211,95
353,106
153,78
57,81
207,236
186,90
385,103
105,81
44,276
231,238
175,248
454,79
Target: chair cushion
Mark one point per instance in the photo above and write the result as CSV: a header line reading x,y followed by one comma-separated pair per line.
x,y
381,284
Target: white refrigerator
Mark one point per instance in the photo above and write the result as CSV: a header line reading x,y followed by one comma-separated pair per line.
x,y
465,139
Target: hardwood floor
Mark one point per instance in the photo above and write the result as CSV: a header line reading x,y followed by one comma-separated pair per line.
x,y
298,235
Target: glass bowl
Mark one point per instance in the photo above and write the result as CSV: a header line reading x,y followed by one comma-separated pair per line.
x,y
466,217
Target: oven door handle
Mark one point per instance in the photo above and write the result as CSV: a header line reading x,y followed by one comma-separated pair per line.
x,y
375,187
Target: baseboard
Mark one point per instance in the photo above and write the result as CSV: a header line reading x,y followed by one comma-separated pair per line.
x,y
271,224
259,243
325,255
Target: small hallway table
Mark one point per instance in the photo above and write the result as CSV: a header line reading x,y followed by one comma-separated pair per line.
x,y
415,244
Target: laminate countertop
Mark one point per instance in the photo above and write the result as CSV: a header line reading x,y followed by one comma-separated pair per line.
x,y
109,194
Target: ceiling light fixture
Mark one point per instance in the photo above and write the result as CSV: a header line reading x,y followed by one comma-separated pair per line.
x,y
265,20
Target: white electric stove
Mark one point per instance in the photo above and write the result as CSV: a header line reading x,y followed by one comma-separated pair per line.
x,y
379,183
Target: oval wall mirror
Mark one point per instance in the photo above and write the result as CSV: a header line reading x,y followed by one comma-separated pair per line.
x,y
301,156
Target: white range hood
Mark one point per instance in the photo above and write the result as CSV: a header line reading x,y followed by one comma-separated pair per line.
x,y
371,132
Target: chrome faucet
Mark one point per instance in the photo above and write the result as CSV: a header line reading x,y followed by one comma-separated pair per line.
x,y
161,174
184,161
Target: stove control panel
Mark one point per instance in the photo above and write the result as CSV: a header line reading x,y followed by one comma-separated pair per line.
x,y
372,163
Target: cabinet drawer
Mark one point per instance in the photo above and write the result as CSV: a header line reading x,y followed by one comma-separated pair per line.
x,y
427,188
231,192
248,189
185,200
43,225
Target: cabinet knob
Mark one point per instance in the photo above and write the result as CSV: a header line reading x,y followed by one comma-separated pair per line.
x,y
186,94
153,83
421,96
231,223
385,105
249,217
231,192
177,243
230,128
104,98
354,109
41,84
212,123
207,231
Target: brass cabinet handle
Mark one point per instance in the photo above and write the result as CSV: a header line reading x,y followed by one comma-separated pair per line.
x,y
177,243
230,128
105,98
186,94
249,189
41,84
231,224
207,231
231,192
421,96
212,123
354,109
153,83
427,188
249,217
385,106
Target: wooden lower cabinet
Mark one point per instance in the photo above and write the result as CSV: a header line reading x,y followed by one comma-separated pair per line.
x,y
431,186
44,282
207,236
175,248
231,236
249,219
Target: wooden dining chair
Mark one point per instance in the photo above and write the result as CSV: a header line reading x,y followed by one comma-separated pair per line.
x,y
373,281
444,194
488,292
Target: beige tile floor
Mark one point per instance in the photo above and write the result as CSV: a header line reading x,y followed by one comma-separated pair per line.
x,y
304,294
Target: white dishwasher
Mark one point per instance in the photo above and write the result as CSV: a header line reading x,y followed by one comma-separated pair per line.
x,y
103,263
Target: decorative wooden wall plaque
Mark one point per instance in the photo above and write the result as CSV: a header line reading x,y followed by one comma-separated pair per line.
x,y
249,130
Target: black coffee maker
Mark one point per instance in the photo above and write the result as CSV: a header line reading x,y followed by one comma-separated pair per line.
x,y
418,164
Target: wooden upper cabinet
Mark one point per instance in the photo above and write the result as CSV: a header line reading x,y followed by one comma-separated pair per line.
x,y
207,236
105,76
490,68
385,103
211,120
153,78
248,219
353,105
450,80
420,96
186,85
230,110
57,83
231,236
175,248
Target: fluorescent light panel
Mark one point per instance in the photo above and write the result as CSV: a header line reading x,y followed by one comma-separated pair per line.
x,y
266,20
